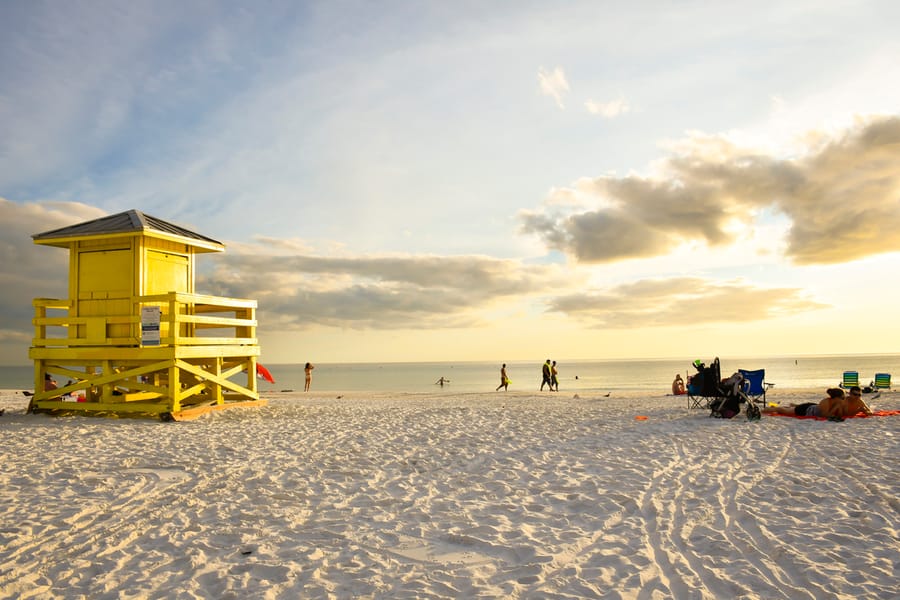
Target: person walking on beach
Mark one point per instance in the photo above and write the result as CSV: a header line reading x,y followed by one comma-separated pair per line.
x,y
504,380
308,371
545,373
554,380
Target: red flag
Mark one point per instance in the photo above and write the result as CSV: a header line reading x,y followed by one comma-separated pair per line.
x,y
263,372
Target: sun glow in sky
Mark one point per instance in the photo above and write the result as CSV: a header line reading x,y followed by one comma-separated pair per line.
x,y
503,181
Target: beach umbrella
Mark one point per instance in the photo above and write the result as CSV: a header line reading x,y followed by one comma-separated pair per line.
x,y
263,372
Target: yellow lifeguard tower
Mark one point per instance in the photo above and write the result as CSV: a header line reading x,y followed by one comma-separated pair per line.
x,y
134,338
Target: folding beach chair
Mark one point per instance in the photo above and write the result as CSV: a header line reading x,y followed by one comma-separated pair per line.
x,y
755,385
851,378
882,381
703,386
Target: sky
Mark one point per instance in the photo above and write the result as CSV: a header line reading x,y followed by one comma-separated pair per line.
x,y
490,181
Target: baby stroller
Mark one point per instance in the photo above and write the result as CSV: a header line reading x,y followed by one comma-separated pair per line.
x,y
731,395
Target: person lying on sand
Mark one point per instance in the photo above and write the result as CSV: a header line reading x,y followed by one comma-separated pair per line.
x,y
831,406
854,403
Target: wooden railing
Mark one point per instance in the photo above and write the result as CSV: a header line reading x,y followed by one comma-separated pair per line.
x,y
185,319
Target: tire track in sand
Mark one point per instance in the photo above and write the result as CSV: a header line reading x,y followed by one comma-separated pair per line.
x,y
754,544
110,525
678,521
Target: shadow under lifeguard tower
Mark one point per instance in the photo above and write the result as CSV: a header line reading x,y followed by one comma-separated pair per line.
x,y
133,337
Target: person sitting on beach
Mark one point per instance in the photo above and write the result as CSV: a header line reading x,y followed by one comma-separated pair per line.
x,y
854,404
831,406
49,383
678,385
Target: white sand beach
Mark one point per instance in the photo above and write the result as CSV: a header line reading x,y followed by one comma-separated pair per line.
x,y
490,495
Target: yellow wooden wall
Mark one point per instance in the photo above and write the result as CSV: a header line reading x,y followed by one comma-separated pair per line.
x,y
106,274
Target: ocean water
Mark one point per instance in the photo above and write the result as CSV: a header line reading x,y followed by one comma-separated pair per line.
x,y
587,376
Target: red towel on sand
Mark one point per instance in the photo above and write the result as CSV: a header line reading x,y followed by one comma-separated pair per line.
x,y
861,415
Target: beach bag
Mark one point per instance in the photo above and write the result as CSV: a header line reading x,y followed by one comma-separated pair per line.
x,y
726,408
695,384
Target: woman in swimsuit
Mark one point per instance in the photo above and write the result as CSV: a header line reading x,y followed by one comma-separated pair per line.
x,y
308,372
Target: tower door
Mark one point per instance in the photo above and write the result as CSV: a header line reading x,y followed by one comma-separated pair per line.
x,y
105,284
167,272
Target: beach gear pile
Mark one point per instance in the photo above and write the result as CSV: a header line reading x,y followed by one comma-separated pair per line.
x,y
724,397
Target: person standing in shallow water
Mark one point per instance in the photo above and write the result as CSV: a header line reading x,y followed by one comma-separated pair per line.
x,y
504,380
308,371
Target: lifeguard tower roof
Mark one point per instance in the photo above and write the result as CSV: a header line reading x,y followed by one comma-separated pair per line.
x,y
127,223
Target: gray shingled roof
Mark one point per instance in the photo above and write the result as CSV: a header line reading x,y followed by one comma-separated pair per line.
x,y
126,222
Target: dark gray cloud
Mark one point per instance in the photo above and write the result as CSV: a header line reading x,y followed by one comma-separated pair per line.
x,y
298,290
293,291
376,292
680,301
842,199
28,271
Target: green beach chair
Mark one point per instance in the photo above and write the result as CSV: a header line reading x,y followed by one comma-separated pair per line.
x,y
851,378
882,381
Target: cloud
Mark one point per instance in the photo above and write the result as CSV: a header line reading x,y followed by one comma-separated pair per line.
x,y
553,83
389,292
295,289
609,110
842,198
28,271
681,301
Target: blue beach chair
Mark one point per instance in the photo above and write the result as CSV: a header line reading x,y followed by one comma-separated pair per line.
x,y
882,381
850,379
755,384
